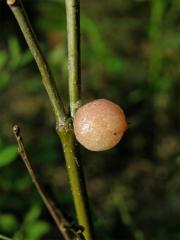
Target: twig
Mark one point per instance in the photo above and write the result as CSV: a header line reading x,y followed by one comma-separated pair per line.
x,y
155,36
64,226
73,37
77,181
63,127
19,12
73,163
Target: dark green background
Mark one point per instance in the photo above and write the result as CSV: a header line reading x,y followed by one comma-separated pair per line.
x,y
130,55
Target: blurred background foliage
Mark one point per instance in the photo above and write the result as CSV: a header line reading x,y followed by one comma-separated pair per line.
x,y
130,55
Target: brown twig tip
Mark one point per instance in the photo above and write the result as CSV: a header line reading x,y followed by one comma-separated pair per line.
x,y
64,226
11,2
16,130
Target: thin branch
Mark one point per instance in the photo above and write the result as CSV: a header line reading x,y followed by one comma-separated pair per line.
x,y
64,226
77,181
64,129
156,35
19,12
73,38
73,163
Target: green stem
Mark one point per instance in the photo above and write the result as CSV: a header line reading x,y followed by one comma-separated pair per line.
x,y
77,182
73,37
73,164
47,78
64,128
155,34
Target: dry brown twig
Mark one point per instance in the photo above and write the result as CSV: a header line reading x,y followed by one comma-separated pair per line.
x,y
68,230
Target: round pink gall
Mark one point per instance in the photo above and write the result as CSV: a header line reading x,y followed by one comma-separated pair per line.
x,y
99,125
